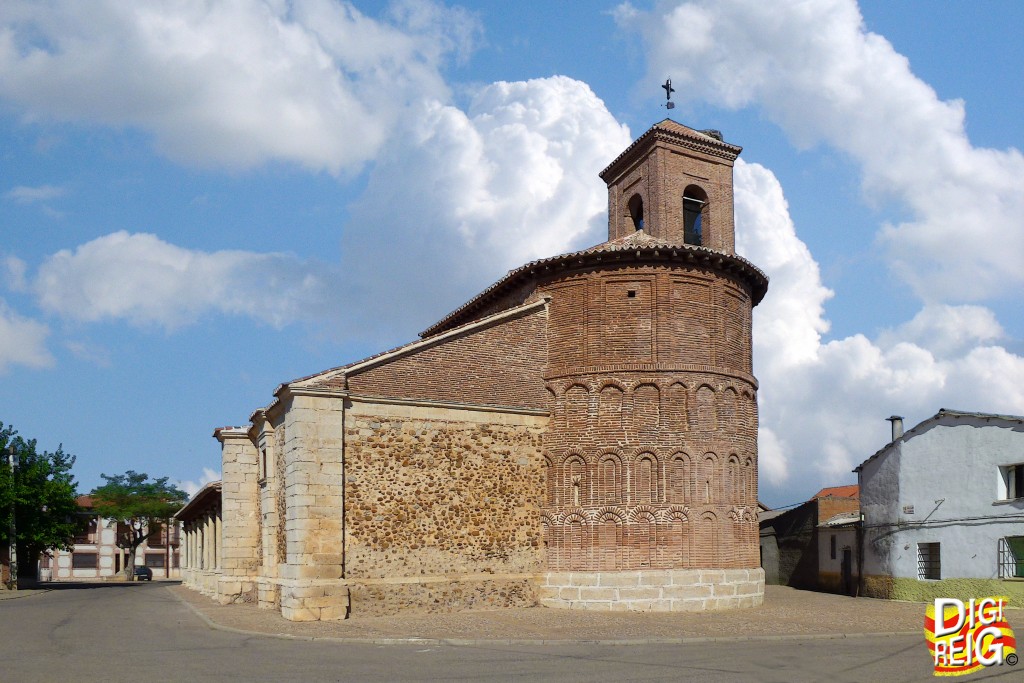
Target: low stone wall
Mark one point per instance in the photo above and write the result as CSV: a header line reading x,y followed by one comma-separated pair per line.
x,y
915,590
310,600
678,590
268,594
442,594
202,580
235,589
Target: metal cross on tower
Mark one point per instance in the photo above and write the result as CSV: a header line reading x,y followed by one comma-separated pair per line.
x,y
669,104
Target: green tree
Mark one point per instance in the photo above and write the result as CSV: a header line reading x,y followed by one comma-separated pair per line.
x,y
42,494
139,505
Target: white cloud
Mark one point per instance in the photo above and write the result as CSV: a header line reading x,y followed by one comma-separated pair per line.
x,y
458,199
947,330
146,281
14,270
815,70
232,83
192,487
22,341
30,195
464,196
823,404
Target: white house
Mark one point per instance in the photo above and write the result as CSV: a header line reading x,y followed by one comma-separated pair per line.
x,y
96,557
943,509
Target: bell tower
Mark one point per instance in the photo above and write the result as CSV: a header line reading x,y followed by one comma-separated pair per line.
x,y
675,184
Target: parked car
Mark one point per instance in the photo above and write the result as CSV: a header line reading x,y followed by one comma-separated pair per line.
x,y
143,574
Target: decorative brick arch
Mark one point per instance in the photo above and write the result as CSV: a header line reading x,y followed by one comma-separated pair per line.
x,y
610,478
646,407
577,406
646,477
609,539
733,479
709,480
576,485
680,478
749,481
576,541
705,414
708,550
550,481
610,403
675,406
677,547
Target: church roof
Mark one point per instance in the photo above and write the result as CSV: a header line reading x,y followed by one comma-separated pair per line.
x,y
849,491
708,142
635,247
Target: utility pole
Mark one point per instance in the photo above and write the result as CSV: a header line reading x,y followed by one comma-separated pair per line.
x,y
12,462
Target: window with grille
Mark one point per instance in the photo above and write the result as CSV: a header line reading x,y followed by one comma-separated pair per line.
x,y
928,564
155,560
84,561
1011,557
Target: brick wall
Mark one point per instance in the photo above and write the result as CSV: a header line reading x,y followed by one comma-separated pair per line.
x,y
497,365
830,506
652,448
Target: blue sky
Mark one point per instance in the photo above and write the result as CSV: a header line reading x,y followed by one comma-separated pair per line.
x,y
199,201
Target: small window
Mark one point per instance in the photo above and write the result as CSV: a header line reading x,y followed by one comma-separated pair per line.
x,y
636,211
928,563
832,547
155,560
631,293
1011,557
1012,481
263,463
84,561
695,203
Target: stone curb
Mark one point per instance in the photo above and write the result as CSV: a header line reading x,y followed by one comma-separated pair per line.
x,y
535,641
24,594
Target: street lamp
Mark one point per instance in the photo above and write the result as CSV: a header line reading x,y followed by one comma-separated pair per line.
x,y
12,462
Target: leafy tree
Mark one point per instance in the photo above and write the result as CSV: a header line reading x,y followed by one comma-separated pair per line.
x,y
42,491
140,505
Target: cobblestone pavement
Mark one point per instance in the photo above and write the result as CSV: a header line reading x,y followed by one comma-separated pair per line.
x,y
786,612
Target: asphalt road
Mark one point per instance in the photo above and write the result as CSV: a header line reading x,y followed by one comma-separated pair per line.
x,y
141,632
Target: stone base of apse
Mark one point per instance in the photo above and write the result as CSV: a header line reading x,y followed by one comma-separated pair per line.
x,y
679,590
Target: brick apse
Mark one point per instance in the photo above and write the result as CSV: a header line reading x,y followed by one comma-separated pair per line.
x,y
581,434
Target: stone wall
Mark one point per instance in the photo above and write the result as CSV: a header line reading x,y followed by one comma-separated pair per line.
x,y
438,493
240,543
683,590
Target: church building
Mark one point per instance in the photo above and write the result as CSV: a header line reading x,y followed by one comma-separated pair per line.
x,y
581,434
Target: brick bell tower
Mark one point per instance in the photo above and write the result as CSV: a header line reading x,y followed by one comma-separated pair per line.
x,y
651,452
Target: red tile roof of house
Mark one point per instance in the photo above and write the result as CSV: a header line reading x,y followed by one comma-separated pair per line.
x,y
851,491
84,501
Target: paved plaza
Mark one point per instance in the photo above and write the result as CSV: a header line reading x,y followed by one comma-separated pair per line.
x,y
163,632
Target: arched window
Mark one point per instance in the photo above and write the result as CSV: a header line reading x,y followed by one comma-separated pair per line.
x,y
636,211
695,204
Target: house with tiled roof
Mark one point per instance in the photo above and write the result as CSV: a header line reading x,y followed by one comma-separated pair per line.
x,y
810,545
943,508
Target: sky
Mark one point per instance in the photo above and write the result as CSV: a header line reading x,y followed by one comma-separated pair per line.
x,y
200,200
